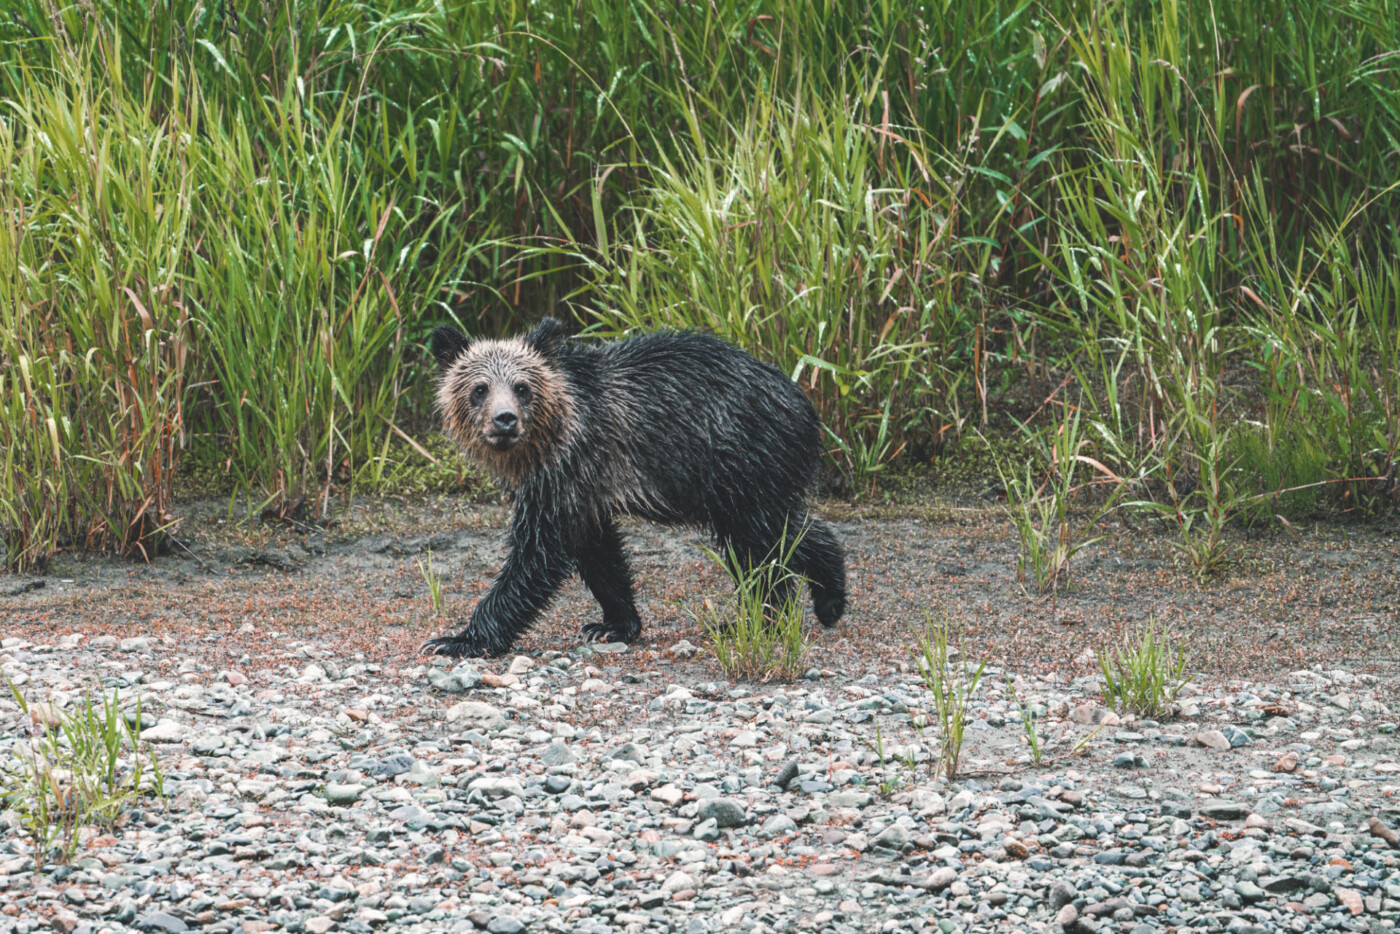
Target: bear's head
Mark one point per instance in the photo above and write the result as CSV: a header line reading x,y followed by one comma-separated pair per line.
x,y
504,401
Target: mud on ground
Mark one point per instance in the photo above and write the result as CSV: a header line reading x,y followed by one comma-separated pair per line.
x,y
1326,594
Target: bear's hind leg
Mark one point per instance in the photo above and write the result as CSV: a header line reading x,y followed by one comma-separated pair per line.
x,y
820,558
602,565
753,546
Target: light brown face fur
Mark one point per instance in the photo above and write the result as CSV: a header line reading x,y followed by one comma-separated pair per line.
x,y
492,381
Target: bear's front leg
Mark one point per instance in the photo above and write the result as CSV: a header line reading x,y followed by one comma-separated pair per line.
x,y
539,562
603,567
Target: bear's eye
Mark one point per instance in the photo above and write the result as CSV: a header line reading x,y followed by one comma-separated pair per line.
x,y
478,393
522,390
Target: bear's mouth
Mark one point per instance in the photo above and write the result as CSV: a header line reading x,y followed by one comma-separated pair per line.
x,y
502,440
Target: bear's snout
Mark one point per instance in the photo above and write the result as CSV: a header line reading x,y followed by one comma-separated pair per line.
x,y
504,430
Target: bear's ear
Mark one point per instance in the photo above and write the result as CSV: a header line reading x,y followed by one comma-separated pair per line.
x,y
449,344
547,338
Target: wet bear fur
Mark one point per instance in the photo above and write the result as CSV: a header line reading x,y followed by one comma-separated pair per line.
x,y
673,427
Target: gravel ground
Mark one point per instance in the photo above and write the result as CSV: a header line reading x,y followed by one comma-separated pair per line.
x,y
322,777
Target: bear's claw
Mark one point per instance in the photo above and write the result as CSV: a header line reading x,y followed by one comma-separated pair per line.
x,y
602,632
453,647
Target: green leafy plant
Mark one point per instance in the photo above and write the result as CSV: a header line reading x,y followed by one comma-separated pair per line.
x,y
1143,676
81,768
951,682
755,638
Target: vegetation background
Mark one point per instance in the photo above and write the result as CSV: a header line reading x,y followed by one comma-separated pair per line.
x,y
1151,241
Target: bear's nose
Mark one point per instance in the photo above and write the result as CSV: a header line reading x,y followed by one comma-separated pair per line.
x,y
505,421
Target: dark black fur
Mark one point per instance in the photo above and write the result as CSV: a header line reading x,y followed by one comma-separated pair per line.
x,y
677,428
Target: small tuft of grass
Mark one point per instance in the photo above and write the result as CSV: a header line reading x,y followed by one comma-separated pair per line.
x,y
951,681
1143,676
81,768
1027,723
756,639
1049,539
434,582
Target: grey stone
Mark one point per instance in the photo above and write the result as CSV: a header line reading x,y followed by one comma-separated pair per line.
x,y
467,676
706,830
342,795
493,787
504,924
1061,894
777,826
893,837
1249,892
475,715
940,879
1224,810
723,811
160,921
558,754
1236,736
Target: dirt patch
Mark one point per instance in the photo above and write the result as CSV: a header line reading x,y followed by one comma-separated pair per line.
x,y
1329,594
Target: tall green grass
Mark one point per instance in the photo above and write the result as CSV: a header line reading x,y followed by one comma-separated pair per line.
x,y
228,228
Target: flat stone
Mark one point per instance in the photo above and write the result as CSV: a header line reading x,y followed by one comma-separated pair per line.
x,y
1378,829
940,879
668,794
1224,810
493,787
851,799
1249,892
1094,716
1303,828
778,825
1283,885
475,715
342,795
504,924
1350,898
1213,739
558,754
1236,736
893,837
160,921
706,830
679,881
166,731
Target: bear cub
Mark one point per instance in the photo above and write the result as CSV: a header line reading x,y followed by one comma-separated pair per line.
x,y
673,427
